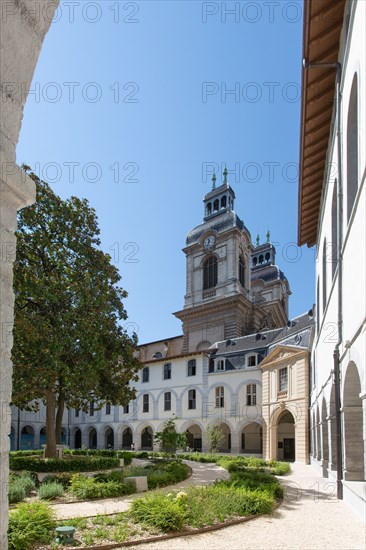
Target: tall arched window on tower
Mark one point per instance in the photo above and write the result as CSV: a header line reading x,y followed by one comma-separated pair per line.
x,y
352,148
208,208
241,271
223,202
210,273
216,205
324,275
334,229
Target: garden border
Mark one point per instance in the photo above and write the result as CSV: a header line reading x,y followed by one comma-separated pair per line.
x,y
185,533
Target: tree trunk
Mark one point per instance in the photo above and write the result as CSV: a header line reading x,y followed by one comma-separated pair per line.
x,y
50,425
59,416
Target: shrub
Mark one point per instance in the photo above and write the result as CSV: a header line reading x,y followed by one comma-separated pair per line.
x,y
85,488
16,493
30,524
19,486
106,453
63,478
160,511
51,490
35,452
83,464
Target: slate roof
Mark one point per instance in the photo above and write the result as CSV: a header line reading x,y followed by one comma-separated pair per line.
x,y
222,222
267,273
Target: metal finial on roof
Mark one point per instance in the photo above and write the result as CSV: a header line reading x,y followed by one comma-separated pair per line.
x,y
257,239
214,181
268,235
225,174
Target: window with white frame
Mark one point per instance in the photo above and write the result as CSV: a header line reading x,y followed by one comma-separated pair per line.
x,y
219,397
167,371
191,371
192,399
282,379
251,394
220,365
167,401
145,374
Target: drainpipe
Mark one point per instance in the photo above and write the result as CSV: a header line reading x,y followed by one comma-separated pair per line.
x,y
336,362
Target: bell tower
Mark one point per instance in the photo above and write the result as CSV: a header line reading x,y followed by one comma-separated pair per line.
x,y
219,302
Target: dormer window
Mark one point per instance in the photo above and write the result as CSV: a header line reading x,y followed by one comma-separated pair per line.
x,y
220,365
252,361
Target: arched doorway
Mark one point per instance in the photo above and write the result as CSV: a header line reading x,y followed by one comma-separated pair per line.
x,y
325,438
147,439
194,437
27,438
109,438
286,436
225,446
251,439
77,439
93,440
353,426
127,438
42,437
333,430
12,439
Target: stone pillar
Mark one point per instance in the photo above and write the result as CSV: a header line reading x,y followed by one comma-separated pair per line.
x,y
24,24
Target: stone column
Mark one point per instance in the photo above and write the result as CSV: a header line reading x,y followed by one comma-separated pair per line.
x,y
24,24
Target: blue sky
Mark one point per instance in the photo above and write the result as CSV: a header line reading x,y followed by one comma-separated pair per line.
x,y
132,104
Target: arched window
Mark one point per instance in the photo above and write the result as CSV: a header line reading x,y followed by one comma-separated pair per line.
x,y
261,259
255,261
167,371
210,273
208,208
223,202
145,374
145,403
241,271
216,205
267,256
352,148
324,275
334,229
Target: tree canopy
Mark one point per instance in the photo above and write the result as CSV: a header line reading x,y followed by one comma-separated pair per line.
x,y
69,345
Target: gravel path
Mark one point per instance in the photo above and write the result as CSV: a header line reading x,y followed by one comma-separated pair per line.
x,y
203,474
310,518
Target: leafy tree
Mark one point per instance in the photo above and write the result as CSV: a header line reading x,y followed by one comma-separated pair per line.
x,y
69,346
214,437
169,439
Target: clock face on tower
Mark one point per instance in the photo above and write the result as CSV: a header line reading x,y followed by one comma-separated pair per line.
x,y
209,242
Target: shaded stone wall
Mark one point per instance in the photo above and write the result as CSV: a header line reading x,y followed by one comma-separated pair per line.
x,y
24,24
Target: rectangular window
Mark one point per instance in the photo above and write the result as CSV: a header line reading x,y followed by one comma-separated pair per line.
x,y
192,399
145,374
282,379
145,403
167,401
251,394
220,365
91,408
219,395
77,413
192,367
107,408
167,371
126,409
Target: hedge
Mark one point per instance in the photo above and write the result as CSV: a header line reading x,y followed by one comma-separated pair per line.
x,y
84,464
35,452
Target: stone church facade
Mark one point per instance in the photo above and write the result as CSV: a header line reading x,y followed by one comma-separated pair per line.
x,y
240,363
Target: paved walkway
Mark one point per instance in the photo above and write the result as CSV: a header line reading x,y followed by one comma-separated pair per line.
x,y
203,474
310,518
